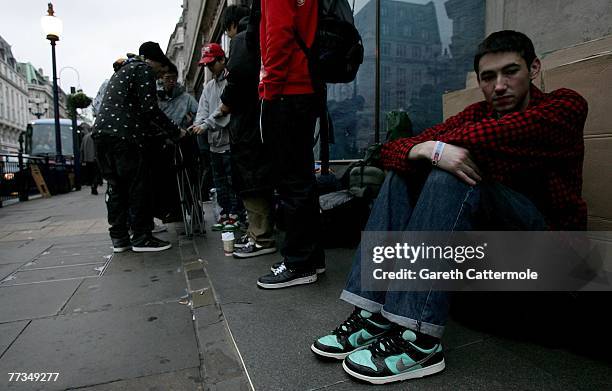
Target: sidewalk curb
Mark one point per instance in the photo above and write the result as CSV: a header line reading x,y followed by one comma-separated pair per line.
x,y
221,366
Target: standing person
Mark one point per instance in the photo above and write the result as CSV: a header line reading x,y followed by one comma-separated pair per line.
x,y
128,115
288,116
175,102
214,124
88,157
519,152
180,107
251,160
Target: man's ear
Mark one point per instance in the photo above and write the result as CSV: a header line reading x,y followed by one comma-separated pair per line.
x,y
536,67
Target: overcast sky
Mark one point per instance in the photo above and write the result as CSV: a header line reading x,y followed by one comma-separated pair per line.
x,y
96,33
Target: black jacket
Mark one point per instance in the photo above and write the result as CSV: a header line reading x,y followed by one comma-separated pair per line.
x,y
129,109
251,161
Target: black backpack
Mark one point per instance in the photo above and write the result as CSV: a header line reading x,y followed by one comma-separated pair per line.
x,y
337,51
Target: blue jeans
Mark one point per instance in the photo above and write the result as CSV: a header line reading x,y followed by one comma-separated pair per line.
x,y
444,203
222,179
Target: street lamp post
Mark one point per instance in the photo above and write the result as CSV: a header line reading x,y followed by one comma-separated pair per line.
x,y
52,27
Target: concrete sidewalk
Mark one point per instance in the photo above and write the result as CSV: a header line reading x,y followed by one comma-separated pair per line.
x,y
114,322
103,321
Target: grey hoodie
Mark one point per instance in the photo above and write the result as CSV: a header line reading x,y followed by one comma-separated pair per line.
x,y
209,115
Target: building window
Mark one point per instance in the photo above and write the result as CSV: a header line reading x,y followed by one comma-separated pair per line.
x,y
401,98
386,48
416,52
385,29
401,76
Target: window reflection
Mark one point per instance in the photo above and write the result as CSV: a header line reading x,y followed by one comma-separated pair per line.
x,y
427,48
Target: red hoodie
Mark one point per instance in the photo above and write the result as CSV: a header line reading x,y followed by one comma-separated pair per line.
x,y
284,68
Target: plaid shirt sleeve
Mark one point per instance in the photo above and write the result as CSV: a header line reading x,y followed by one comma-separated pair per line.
x,y
550,128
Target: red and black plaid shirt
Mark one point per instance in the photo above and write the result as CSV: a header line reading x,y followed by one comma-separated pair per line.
x,y
537,152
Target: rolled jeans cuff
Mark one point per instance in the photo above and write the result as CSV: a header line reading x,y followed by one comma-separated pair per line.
x,y
423,327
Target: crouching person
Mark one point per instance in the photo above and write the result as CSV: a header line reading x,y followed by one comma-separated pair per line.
x,y
522,147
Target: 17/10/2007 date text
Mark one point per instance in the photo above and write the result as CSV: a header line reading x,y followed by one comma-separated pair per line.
x,y
33,376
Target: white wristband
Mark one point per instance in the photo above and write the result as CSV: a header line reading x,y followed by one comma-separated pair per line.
x,y
436,155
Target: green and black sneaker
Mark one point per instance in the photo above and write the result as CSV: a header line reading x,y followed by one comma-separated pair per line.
x,y
396,356
357,332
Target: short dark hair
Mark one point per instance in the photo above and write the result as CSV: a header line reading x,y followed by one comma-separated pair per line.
x,y
172,69
506,41
233,14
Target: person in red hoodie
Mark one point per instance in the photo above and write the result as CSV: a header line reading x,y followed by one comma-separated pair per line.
x,y
288,117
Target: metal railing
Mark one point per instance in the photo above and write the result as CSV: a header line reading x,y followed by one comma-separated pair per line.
x,y
17,182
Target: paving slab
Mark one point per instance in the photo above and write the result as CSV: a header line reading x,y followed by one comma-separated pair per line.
x,y
8,269
69,260
127,289
101,347
21,251
35,301
186,379
581,372
8,333
54,274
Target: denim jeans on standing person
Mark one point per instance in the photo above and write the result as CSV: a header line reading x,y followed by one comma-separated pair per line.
x,y
445,203
222,179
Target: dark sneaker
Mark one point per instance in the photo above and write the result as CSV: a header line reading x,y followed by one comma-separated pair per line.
x,y
283,278
149,244
242,241
94,191
357,332
253,250
320,269
121,245
396,356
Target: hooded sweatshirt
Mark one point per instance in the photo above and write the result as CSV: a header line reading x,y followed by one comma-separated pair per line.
x,y
209,115
284,68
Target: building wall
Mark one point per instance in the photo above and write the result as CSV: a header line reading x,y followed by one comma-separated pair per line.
x,y
13,100
552,24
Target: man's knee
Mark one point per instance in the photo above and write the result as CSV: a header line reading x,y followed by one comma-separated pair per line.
x,y
440,182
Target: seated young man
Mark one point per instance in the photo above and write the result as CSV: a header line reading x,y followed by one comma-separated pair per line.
x,y
519,152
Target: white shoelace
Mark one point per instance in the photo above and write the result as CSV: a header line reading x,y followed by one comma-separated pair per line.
x,y
280,269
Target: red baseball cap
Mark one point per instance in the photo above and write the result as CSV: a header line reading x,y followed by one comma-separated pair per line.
x,y
210,52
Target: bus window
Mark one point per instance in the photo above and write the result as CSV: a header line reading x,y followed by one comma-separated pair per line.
x,y
43,139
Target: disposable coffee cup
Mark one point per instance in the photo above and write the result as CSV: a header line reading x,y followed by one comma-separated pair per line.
x,y
228,243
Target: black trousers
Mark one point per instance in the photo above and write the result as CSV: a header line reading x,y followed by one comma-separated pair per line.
x,y
128,194
288,125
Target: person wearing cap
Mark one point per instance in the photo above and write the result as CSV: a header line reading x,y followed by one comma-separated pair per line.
x,y
251,160
288,117
128,115
212,122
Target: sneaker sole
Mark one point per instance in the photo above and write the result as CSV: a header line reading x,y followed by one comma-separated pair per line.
x,y
263,251
417,373
150,249
337,356
121,249
297,281
319,270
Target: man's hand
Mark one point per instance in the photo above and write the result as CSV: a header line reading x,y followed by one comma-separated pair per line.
x,y
197,129
454,159
221,111
224,109
183,133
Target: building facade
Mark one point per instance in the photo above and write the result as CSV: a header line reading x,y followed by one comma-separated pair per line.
x,y
40,93
13,100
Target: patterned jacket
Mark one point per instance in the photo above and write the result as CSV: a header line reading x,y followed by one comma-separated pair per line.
x,y
129,110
